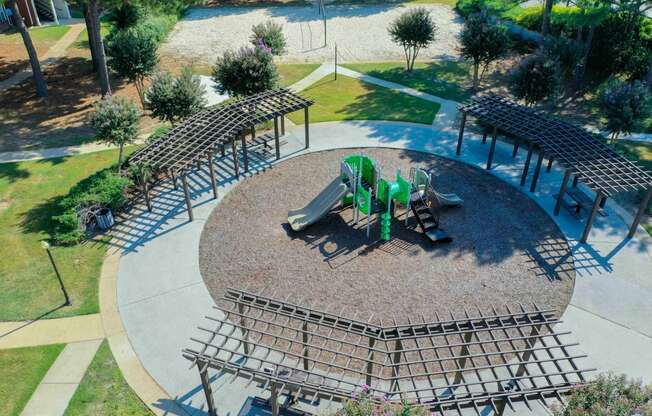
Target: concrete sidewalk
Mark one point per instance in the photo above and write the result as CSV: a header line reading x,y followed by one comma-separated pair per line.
x,y
51,331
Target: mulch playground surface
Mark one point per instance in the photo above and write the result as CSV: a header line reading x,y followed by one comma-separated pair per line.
x,y
505,248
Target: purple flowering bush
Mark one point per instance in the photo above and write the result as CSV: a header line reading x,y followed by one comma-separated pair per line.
x,y
269,36
364,404
624,106
535,78
245,71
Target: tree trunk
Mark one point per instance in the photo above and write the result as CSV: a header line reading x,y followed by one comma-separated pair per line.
x,y
103,71
39,80
579,80
91,40
547,11
476,78
120,157
648,78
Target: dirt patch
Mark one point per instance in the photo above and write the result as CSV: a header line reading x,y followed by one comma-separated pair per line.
x,y
505,248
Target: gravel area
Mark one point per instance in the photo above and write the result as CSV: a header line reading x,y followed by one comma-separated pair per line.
x,y
360,33
505,248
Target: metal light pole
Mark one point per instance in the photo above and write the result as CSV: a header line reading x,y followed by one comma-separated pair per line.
x,y
46,246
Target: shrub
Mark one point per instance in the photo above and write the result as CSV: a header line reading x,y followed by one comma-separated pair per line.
x,y
245,71
102,189
126,15
363,405
469,7
173,99
269,34
115,120
609,395
567,53
625,106
482,42
158,26
535,78
132,54
413,30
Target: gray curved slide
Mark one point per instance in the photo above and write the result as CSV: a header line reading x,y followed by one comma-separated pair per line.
x,y
318,207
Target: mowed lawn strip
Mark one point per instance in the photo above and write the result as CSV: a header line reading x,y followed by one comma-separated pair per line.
x,y
28,285
104,391
350,99
641,153
291,73
21,371
445,79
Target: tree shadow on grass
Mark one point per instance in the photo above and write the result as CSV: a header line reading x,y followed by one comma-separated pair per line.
x,y
13,172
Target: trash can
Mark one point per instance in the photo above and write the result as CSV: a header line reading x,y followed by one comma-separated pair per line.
x,y
104,218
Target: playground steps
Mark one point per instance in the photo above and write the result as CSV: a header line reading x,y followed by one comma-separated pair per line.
x,y
427,222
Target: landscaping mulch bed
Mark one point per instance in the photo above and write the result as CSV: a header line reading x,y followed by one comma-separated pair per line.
x,y
505,248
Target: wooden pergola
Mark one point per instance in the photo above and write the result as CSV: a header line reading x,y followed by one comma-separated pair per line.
x,y
581,154
495,358
202,135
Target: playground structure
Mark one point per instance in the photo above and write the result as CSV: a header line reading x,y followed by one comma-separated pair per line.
x,y
361,186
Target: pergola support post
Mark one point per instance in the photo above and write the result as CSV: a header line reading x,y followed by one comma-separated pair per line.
x,y
526,168
243,141
484,136
304,336
277,144
148,202
243,324
396,361
282,117
589,221
549,167
234,150
460,138
537,172
208,392
273,399
306,123
639,214
464,353
211,169
174,180
517,143
562,191
576,179
186,194
492,149
370,361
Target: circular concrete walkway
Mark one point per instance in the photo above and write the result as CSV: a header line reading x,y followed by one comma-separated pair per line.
x,y
161,296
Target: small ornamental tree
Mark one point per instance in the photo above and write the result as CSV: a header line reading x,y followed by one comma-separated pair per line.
x,y
271,35
126,15
245,71
535,78
363,404
132,54
115,120
624,106
609,395
482,42
413,30
173,99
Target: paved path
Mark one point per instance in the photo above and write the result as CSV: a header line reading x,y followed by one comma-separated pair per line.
x,y
162,298
51,331
57,51
53,394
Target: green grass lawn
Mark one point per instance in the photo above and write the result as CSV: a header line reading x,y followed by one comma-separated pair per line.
x,y
82,39
350,99
445,79
38,34
28,192
21,371
291,73
642,154
104,391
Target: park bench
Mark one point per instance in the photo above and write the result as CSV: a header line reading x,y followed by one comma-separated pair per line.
x,y
575,201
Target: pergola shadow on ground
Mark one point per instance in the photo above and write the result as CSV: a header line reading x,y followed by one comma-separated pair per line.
x,y
472,360
582,155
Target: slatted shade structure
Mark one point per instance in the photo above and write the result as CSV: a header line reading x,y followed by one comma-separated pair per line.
x,y
454,364
580,153
200,136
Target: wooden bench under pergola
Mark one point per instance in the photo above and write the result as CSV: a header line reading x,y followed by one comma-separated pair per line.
x,y
581,154
201,136
463,362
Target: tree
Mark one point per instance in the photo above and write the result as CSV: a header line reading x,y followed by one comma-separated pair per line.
x,y
624,106
245,71
126,15
414,30
132,54
37,73
547,12
269,34
609,395
115,120
535,78
91,10
482,42
174,99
